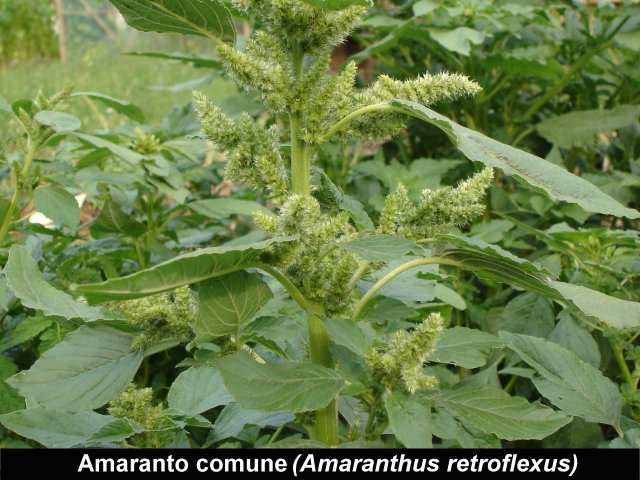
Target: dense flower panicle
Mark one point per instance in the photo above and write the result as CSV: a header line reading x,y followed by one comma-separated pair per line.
x,y
136,404
400,363
252,72
253,151
332,100
314,261
426,90
437,211
161,317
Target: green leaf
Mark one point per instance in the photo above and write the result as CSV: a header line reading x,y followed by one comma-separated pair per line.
x,y
233,418
336,4
572,336
349,334
530,314
207,18
276,387
465,347
197,62
409,419
129,156
60,429
113,219
496,264
197,390
219,208
57,204
87,369
380,248
542,175
28,284
186,269
229,303
28,328
494,411
424,7
615,312
569,383
449,296
581,127
58,121
459,40
121,106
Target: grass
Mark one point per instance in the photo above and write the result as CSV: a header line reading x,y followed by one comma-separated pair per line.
x,y
103,67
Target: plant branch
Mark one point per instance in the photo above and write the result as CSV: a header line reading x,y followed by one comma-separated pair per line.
x,y
373,291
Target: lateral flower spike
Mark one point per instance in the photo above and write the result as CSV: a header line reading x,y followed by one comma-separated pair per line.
x,y
399,365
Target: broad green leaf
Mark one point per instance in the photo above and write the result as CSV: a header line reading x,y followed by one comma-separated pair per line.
x,y
408,287
449,296
614,312
208,18
494,263
197,390
277,387
121,106
129,156
197,62
233,418
530,314
460,40
336,4
409,419
57,204
58,121
349,334
381,248
494,411
229,303
28,328
87,369
466,347
569,383
424,7
219,208
581,127
112,219
555,181
28,284
60,429
186,269
576,338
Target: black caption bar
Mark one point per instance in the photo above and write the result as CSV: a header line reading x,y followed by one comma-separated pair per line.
x,y
184,463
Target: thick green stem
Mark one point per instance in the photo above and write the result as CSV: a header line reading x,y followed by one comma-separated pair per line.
x,y
326,425
326,419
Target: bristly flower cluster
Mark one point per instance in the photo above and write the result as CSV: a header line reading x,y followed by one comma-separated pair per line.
x,y
437,211
136,404
315,262
400,365
166,316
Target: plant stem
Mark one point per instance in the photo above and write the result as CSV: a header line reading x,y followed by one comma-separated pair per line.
x,y
373,291
618,353
326,426
326,419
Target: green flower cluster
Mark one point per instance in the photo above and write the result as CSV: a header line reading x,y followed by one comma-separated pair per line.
x,y
253,151
437,211
161,317
145,143
400,364
136,404
314,261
